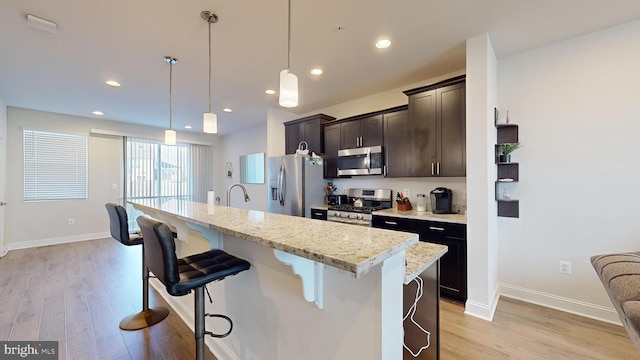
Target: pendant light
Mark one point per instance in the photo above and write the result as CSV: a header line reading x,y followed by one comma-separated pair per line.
x,y
209,120
170,134
288,80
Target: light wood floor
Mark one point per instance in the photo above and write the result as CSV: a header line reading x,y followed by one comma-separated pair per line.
x,y
525,331
78,293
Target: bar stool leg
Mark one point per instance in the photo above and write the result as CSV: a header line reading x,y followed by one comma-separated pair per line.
x,y
148,316
199,326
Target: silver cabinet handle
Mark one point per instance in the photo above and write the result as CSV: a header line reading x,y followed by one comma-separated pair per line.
x,y
384,170
438,168
391,223
432,172
2,203
436,228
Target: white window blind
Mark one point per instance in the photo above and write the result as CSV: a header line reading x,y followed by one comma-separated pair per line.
x,y
55,166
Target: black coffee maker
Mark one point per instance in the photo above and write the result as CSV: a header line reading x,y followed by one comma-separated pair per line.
x,y
441,199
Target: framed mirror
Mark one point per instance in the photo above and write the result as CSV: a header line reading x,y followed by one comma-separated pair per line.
x,y
252,168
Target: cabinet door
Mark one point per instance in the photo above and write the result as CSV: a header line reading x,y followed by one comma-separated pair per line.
x,y
331,147
371,131
422,108
350,134
312,134
397,140
292,136
451,135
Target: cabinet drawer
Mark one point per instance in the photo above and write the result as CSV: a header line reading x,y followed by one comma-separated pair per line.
x,y
391,223
319,214
432,230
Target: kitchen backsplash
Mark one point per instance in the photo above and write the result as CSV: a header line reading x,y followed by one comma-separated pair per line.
x,y
415,186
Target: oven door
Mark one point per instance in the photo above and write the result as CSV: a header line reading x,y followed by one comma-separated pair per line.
x,y
360,161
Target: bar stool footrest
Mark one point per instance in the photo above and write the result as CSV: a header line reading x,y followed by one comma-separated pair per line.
x,y
222,317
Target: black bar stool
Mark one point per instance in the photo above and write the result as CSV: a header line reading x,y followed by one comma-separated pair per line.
x,y
120,231
194,272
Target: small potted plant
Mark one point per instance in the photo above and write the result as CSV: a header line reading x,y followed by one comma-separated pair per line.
x,y
506,150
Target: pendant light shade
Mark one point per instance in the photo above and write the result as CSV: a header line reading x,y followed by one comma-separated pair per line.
x,y
210,123
209,119
169,137
288,89
170,134
288,80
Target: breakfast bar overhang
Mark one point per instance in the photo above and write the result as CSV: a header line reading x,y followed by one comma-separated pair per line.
x,y
314,290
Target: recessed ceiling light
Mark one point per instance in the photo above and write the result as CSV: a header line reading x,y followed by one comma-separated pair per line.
x,y
383,43
98,112
316,71
270,91
187,126
113,83
227,110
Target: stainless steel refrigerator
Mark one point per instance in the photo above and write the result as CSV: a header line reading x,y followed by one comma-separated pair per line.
x,y
294,185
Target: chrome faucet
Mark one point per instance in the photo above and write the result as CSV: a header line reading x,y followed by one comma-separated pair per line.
x,y
246,196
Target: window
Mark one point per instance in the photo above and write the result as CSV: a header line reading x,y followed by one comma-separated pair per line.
x,y
55,166
154,170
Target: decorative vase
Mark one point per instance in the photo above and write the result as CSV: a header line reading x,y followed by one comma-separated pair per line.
x,y
505,158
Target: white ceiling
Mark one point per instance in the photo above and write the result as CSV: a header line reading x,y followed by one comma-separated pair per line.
x,y
126,40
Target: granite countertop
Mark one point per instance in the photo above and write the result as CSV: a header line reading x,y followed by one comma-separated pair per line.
x,y
423,215
320,207
419,257
356,249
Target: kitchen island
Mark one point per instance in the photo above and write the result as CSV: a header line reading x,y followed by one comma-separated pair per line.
x,y
341,298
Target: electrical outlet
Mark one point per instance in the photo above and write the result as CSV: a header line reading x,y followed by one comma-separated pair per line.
x,y
565,267
72,221
406,193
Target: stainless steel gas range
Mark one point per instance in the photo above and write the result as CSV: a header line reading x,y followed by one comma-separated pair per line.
x,y
362,202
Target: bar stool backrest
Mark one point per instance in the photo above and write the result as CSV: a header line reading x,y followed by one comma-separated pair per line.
x,y
159,250
118,224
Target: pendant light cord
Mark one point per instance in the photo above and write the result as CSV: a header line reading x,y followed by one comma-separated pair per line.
x,y
209,66
289,38
170,91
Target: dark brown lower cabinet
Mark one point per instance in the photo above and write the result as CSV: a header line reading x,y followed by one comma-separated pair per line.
x,y
453,265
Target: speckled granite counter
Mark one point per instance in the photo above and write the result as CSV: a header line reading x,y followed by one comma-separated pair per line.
x,y
424,215
320,207
356,249
419,257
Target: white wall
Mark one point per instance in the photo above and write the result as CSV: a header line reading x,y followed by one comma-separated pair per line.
x,y
481,171
578,108
42,223
232,147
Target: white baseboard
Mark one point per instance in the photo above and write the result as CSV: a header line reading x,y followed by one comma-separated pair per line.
x,y
186,313
572,306
482,311
55,241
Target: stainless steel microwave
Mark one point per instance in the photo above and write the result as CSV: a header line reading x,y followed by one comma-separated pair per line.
x,y
360,161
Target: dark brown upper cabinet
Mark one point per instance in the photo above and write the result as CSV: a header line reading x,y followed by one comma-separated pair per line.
x,y
438,128
331,147
397,143
360,132
307,129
